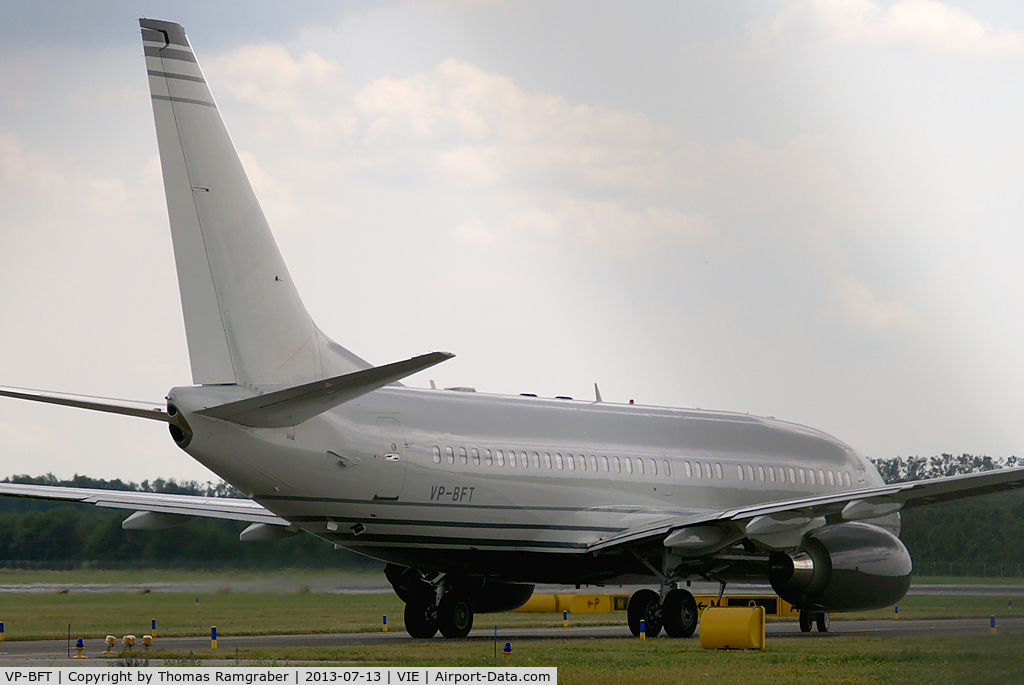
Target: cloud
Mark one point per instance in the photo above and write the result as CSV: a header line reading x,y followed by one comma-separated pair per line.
x,y
920,23
39,181
489,131
859,307
25,167
540,174
306,89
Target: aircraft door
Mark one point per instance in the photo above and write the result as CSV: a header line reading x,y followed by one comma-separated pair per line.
x,y
391,462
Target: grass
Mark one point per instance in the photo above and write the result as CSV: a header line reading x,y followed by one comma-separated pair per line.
x,y
959,660
142,577
30,616
805,659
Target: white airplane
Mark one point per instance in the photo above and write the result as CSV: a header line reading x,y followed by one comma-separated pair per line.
x,y
470,498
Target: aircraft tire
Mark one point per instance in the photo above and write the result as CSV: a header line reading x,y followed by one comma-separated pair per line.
x,y
420,619
644,605
806,621
455,615
679,613
824,621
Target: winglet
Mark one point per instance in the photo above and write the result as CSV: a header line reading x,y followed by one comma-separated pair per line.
x,y
597,394
293,405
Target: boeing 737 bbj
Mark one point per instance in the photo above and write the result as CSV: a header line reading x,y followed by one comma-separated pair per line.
x,y
472,498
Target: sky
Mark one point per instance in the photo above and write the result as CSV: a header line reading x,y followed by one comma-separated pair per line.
x,y
802,209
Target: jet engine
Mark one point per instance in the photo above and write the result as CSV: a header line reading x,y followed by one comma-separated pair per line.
x,y
843,567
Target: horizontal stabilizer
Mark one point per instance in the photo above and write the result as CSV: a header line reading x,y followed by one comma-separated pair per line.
x,y
127,407
291,406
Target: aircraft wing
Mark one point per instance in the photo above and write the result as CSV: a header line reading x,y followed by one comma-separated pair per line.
x,y
782,523
163,504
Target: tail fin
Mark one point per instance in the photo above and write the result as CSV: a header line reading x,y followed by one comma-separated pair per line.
x,y
244,320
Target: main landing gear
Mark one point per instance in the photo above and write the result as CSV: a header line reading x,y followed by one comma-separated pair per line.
x,y
675,610
453,615
432,603
809,618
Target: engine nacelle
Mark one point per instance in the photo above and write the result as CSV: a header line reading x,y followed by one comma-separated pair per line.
x,y
845,567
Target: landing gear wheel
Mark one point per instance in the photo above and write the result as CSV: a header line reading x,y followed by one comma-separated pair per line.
x,y
644,605
679,613
806,621
455,615
824,621
420,619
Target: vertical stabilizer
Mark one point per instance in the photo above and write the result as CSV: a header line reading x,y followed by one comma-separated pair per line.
x,y
244,320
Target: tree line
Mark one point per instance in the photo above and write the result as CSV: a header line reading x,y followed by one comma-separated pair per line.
x,y
986,529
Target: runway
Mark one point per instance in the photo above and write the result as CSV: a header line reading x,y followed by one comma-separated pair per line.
x,y
54,652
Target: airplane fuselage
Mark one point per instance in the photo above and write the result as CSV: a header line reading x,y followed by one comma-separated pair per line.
x,y
513,487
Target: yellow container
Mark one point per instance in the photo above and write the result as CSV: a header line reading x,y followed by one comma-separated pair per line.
x,y
540,604
732,628
590,604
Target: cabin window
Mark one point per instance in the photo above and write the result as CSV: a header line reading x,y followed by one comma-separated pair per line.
x,y
536,460
846,478
604,464
640,466
512,458
524,459
618,464
782,475
629,465
475,453
792,475
739,470
501,457
654,467
547,460
593,463
696,469
488,458
558,461
583,462
803,477
572,462
668,468
750,472
831,478
449,454
810,474
463,458
688,469
437,454
821,476
718,471
760,473
771,473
